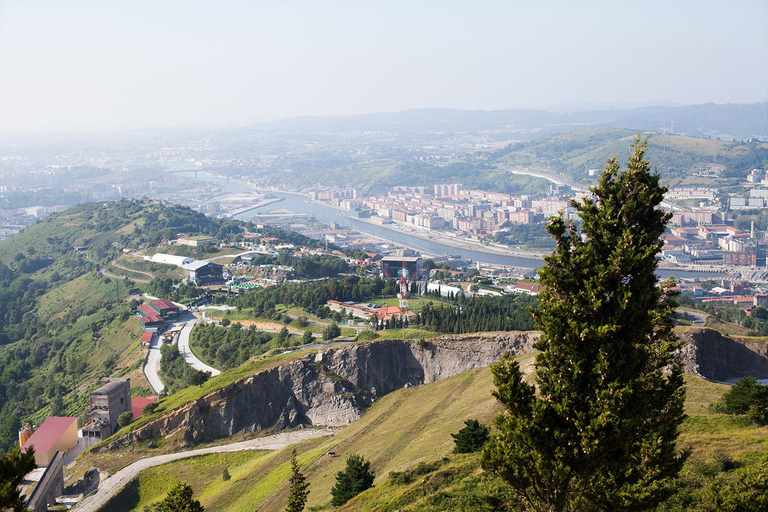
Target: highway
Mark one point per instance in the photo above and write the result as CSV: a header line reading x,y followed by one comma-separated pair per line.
x,y
186,352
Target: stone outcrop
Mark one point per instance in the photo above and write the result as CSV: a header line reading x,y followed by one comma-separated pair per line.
x,y
713,356
330,388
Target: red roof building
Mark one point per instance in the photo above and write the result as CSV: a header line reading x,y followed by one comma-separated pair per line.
x,y
138,403
56,434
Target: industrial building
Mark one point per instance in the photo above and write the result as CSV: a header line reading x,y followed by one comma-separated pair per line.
x,y
197,241
154,314
204,272
392,265
56,434
107,403
169,259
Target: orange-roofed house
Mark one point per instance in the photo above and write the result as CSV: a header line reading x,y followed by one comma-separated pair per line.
x,y
56,434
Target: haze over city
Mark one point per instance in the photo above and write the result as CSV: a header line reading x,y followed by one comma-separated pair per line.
x,y
79,66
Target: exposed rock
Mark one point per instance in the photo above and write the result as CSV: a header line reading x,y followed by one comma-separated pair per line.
x,y
711,355
330,388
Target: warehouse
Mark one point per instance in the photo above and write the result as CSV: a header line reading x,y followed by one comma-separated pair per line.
x,y
169,259
56,434
204,272
165,308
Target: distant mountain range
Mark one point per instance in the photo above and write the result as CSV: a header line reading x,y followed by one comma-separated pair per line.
x,y
731,121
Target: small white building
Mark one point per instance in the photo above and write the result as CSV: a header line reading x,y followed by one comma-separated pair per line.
x,y
169,259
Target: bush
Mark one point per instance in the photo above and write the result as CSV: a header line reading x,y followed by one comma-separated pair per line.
x,y
125,419
746,397
150,408
471,438
331,331
225,475
356,478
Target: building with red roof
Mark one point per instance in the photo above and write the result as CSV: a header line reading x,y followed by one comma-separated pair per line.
x,y
165,308
56,434
139,402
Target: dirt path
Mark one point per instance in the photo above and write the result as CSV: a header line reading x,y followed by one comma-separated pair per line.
x,y
112,485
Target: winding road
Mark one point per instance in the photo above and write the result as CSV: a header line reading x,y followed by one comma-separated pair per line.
x,y
112,485
152,365
186,352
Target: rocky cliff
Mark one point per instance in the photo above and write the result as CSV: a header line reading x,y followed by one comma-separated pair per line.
x,y
713,356
329,388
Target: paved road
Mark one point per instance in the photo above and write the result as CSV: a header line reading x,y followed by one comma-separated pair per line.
x,y
698,319
152,366
186,352
112,485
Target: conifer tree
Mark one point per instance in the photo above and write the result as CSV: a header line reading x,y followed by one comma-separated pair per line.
x,y
299,487
355,478
599,431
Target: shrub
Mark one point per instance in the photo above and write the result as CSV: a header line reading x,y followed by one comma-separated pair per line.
x,y
471,438
746,397
356,478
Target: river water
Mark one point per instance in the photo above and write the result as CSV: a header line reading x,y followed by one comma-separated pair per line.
x,y
300,204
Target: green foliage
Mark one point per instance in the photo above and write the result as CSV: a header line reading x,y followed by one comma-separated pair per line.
x,y
478,314
176,373
307,337
331,331
150,408
471,438
228,347
13,466
356,478
298,487
744,491
225,475
125,419
745,397
179,499
600,432
409,475
368,335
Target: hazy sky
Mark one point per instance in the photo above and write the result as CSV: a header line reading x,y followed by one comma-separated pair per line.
x,y
116,65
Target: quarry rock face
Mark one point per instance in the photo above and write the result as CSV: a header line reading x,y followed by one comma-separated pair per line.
x,y
713,356
329,388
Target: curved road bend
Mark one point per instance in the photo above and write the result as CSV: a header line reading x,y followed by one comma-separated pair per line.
x,y
152,366
186,352
112,485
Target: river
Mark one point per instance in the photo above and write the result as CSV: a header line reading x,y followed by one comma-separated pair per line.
x,y
300,204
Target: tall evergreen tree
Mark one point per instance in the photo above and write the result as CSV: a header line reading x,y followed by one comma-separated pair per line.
x,y
600,433
299,487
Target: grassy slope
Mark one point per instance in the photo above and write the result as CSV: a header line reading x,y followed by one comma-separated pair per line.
x,y
414,425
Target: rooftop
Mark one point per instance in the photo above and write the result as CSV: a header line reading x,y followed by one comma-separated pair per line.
x,y
164,304
110,387
49,432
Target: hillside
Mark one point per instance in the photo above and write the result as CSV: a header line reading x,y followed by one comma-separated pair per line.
x,y
409,431
63,325
676,157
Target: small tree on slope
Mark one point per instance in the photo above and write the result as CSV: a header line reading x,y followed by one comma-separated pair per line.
x,y
355,478
600,434
299,487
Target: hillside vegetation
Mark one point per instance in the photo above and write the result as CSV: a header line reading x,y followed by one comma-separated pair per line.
x,y
64,325
408,431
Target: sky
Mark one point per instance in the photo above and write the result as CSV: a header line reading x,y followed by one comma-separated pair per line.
x,y
112,65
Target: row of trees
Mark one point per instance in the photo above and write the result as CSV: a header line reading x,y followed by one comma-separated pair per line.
x,y
492,313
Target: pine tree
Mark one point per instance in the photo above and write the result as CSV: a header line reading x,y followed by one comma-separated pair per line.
x,y
179,499
13,466
356,478
299,487
600,433
471,438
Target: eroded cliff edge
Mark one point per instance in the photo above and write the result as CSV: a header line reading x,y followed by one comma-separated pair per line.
x,y
330,388
713,356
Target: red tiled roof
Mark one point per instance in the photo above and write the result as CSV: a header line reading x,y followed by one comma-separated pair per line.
x,y
531,287
146,337
147,309
164,304
49,432
138,403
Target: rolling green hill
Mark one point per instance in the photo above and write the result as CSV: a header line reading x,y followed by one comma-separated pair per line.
x,y
63,325
408,431
675,157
